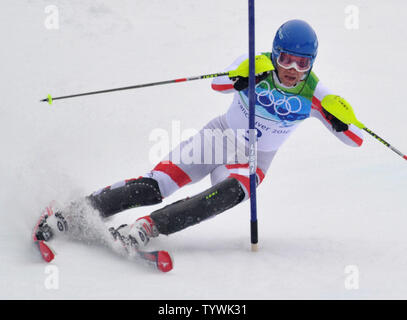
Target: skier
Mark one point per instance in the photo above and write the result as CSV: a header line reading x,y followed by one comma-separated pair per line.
x,y
285,97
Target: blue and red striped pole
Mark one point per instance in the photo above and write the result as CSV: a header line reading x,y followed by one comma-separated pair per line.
x,y
252,132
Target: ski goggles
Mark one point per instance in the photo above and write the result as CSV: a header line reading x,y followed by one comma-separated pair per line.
x,y
288,61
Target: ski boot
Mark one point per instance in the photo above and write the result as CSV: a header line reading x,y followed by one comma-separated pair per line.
x,y
49,224
137,234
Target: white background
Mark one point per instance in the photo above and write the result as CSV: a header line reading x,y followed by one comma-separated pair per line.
x,y
322,206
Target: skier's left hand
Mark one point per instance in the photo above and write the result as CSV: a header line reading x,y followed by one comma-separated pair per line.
x,y
337,124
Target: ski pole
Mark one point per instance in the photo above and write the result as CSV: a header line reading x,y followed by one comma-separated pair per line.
x,y
263,64
342,110
50,99
374,135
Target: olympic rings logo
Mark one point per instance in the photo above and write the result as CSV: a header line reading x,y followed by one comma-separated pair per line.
x,y
282,106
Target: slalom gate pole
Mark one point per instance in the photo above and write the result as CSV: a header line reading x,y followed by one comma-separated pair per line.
x,y
252,131
50,99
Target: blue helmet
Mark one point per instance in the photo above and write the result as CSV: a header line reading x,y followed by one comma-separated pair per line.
x,y
295,37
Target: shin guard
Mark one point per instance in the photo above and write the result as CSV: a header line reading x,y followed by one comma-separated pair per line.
x,y
190,211
125,195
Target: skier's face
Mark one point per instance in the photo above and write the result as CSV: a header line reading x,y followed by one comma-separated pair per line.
x,y
289,77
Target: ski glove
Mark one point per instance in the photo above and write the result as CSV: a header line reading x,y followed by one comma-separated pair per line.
x,y
337,124
241,83
240,76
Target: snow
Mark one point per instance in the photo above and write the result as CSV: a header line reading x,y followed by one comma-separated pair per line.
x,y
322,207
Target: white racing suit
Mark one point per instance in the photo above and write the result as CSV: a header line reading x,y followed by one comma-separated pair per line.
x,y
220,148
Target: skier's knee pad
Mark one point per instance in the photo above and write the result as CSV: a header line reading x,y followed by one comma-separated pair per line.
x,y
189,211
125,195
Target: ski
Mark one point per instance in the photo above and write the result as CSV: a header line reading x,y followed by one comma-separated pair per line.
x,y
159,259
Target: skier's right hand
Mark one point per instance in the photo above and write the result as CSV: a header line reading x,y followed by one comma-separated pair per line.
x,y
241,83
240,76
